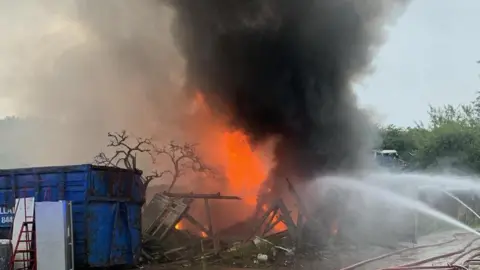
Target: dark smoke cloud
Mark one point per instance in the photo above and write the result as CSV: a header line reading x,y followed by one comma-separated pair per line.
x,y
284,68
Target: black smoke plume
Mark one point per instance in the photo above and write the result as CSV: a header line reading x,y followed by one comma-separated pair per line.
x,y
284,68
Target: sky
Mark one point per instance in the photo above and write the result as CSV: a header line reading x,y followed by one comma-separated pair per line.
x,y
430,58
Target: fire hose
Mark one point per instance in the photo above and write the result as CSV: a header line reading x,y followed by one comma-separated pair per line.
x,y
472,259
353,266
462,253
448,267
417,265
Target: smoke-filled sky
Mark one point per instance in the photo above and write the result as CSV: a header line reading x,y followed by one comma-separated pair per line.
x,y
284,69
431,40
67,61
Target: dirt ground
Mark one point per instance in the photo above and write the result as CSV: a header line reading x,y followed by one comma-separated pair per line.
x,y
346,258
339,258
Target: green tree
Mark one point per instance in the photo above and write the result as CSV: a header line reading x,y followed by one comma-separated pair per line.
x,y
451,139
401,139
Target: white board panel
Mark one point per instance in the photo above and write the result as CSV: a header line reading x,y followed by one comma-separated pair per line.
x,y
51,231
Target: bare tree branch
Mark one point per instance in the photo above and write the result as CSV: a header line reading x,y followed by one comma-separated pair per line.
x,y
129,159
183,157
126,154
154,175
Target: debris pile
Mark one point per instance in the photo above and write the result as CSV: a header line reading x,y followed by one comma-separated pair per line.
x,y
263,246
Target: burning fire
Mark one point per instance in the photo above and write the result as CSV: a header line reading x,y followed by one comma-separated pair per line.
x,y
179,226
280,226
244,167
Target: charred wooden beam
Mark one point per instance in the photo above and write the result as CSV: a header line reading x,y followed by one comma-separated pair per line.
x,y
287,219
209,216
272,225
279,210
197,224
215,196
205,197
270,220
292,190
300,225
210,226
262,220
174,250
301,205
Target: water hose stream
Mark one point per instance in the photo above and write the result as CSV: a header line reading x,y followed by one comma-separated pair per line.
x,y
417,264
463,252
461,202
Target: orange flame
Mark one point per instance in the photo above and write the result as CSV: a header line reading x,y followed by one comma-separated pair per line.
x,y
244,167
203,234
179,225
280,226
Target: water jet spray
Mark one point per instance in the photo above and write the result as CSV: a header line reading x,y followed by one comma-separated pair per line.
x,y
396,198
453,197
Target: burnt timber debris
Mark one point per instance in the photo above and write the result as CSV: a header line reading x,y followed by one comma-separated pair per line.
x,y
168,246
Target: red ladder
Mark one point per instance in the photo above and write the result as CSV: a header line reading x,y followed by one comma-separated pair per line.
x,y
27,258
27,251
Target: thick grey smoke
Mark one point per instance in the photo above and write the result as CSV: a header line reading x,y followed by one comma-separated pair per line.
x,y
77,69
284,68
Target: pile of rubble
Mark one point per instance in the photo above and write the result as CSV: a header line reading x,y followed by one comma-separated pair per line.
x,y
167,246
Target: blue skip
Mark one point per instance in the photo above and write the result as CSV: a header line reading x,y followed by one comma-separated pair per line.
x,y
106,203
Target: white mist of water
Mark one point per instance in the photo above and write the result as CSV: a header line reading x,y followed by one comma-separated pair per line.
x,y
389,196
444,182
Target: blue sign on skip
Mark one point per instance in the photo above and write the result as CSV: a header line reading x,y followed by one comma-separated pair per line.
x,y
6,216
